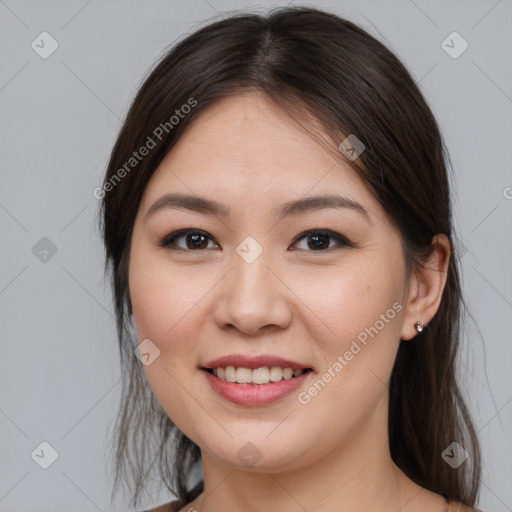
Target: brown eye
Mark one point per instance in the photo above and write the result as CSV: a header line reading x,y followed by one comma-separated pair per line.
x,y
193,240
196,240
319,241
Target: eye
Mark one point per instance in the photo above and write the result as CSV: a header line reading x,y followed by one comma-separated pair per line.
x,y
319,240
195,239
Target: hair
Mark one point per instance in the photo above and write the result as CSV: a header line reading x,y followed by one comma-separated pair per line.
x,y
322,69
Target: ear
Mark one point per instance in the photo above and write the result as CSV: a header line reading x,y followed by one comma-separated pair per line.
x,y
425,288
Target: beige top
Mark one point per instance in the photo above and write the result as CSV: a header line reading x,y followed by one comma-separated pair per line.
x,y
452,506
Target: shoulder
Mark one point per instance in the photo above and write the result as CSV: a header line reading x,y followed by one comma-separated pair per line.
x,y
172,506
455,506
178,505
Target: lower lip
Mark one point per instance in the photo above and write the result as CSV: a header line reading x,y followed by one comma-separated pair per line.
x,y
255,394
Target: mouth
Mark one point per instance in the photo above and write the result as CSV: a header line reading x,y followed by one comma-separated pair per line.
x,y
255,381
256,387
256,376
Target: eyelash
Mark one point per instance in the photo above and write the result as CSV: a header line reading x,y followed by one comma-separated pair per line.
x,y
168,241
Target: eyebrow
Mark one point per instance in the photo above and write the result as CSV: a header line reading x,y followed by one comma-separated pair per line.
x,y
290,208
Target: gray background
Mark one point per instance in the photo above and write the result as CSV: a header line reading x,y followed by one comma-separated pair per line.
x,y
58,120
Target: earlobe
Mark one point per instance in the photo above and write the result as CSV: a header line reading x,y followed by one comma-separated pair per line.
x,y
426,288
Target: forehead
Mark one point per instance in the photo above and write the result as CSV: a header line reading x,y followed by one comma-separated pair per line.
x,y
244,146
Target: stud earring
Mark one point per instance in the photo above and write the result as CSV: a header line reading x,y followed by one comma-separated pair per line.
x,y
418,326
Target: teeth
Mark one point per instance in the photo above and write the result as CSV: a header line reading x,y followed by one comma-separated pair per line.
x,y
276,374
258,375
230,374
243,375
262,375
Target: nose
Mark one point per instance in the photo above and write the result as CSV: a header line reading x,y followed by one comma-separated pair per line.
x,y
252,298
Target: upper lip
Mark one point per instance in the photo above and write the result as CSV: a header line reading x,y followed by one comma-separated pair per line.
x,y
260,361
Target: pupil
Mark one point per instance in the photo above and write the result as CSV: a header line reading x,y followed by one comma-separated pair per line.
x,y
318,245
197,243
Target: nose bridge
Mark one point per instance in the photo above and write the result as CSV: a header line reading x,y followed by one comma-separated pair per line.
x,y
250,287
252,296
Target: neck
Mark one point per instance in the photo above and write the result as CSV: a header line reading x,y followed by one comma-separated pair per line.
x,y
358,475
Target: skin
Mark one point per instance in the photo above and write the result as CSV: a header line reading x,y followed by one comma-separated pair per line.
x,y
292,301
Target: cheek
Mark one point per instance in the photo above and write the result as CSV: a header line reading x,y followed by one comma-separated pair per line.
x,y
166,302
361,320
167,310
349,301
358,337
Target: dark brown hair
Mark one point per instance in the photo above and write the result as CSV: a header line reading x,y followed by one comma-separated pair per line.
x,y
319,68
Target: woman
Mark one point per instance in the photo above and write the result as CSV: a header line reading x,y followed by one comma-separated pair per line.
x,y
277,222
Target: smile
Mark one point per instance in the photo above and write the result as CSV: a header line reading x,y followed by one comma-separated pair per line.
x,y
263,375
250,394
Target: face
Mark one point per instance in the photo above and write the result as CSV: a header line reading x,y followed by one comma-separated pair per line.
x,y
318,285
